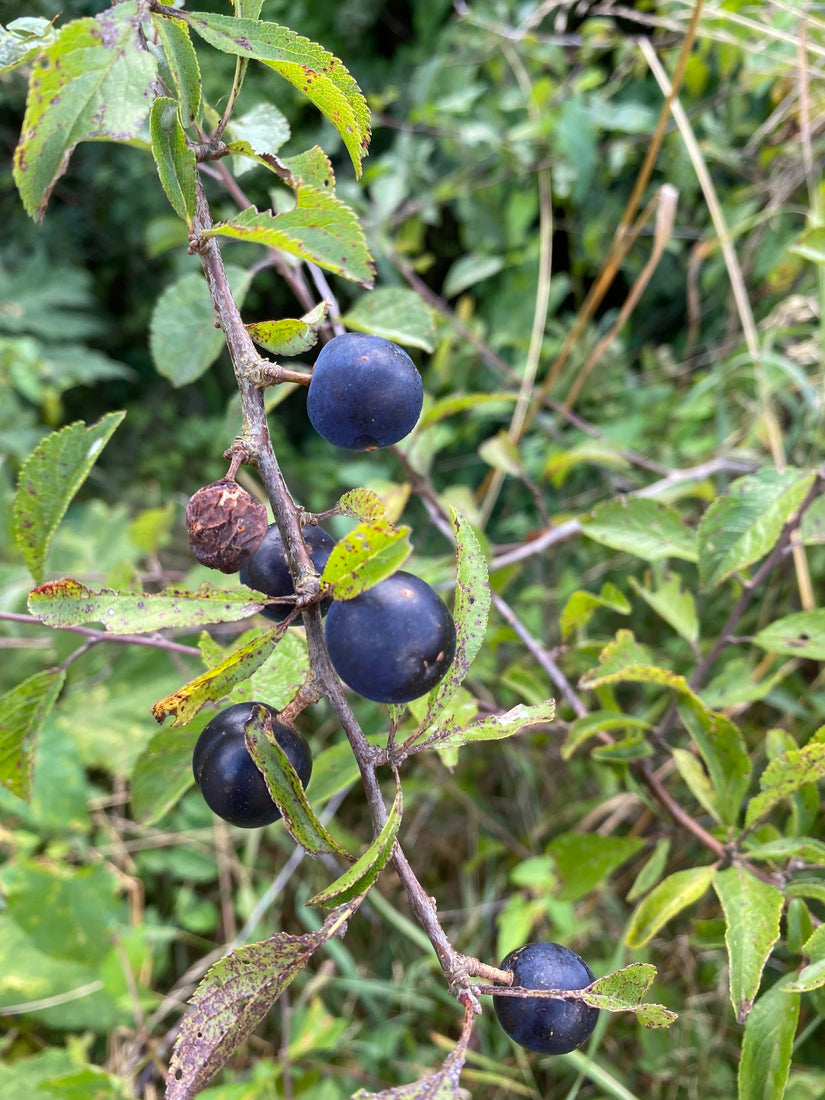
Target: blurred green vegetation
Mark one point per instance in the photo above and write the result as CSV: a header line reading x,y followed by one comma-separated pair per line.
x,y
473,115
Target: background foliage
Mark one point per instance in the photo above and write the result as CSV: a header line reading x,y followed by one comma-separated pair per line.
x,y
507,141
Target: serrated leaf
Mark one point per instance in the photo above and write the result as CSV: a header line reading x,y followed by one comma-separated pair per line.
x,y
767,1047
395,313
799,635
322,78
370,553
784,775
743,526
67,602
183,339
161,775
500,452
495,727
217,682
286,788
22,711
182,62
48,481
624,988
581,604
645,528
313,168
233,998
320,228
359,878
363,504
666,901
290,336
94,82
752,911
672,603
470,612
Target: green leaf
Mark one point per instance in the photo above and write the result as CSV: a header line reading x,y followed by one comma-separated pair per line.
x,y
217,682
22,711
94,82
312,167
48,481
811,976
182,62
724,752
183,339
767,1047
672,603
590,452
495,727
696,779
752,911
470,613
651,872
286,788
500,452
584,861
743,526
395,313
289,336
578,610
264,129
161,775
174,158
320,228
666,901
370,553
234,997
622,991
598,721
646,528
785,775
363,504
359,878
67,602
784,848
69,914
799,635
315,72
22,39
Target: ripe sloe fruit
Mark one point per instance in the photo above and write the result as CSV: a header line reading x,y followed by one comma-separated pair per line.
x,y
229,779
393,642
547,1025
268,570
365,392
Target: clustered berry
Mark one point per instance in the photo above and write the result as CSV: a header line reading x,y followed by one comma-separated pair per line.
x,y
391,644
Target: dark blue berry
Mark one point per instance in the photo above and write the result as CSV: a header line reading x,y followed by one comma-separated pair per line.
x,y
545,1024
229,779
393,642
268,570
365,392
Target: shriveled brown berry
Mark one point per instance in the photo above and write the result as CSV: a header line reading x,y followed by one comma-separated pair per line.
x,y
225,525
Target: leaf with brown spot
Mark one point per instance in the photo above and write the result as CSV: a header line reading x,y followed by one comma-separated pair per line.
x,y
233,998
